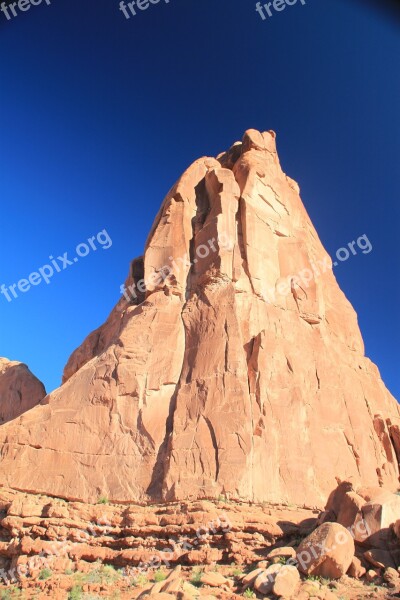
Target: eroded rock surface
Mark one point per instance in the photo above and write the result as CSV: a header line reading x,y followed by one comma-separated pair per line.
x,y
237,369
20,390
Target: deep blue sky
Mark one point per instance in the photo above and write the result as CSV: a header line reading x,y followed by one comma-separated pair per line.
x,y
100,115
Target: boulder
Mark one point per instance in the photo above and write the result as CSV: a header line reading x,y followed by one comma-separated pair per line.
x,y
213,579
265,581
379,515
249,579
392,577
327,552
356,568
370,514
287,581
371,575
283,552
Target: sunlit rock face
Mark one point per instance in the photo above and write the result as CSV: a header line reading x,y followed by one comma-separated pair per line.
x,y
233,364
19,390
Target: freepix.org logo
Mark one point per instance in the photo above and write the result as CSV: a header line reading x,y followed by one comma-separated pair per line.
x,y
56,265
268,9
13,9
130,9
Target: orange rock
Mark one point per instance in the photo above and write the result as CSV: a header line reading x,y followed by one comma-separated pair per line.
x,y
249,579
213,579
287,581
327,552
379,515
371,575
19,390
356,568
284,551
392,577
265,581
238,327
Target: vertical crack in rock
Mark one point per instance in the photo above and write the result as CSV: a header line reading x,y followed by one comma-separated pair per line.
x,y
353,452
241,244
318,379
215,445
252,349
226,346
384,437
253,370
394,432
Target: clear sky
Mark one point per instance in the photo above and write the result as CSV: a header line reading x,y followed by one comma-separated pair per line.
x,y
101,114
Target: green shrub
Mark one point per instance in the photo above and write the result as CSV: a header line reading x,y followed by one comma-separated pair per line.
x,y
103,500
102,574
10,594
159,575
314,578
139,581
249,594
75,593
45,574
196,578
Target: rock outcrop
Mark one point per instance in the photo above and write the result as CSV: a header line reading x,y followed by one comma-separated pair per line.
x,y
44,531
19,390
232,365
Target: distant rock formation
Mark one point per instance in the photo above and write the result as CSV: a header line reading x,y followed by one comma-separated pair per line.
x,y
19,390
236,367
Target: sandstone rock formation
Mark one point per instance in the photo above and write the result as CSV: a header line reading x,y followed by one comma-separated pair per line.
x,y
233,364
49,531
19,390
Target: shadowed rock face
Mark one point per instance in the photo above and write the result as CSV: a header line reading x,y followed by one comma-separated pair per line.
x,y
239,370
19,390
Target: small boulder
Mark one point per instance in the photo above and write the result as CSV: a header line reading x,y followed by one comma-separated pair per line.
x,y
262,564
392,577
250,578
213,579
286,582
371,575
356,569
284,552
265,581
